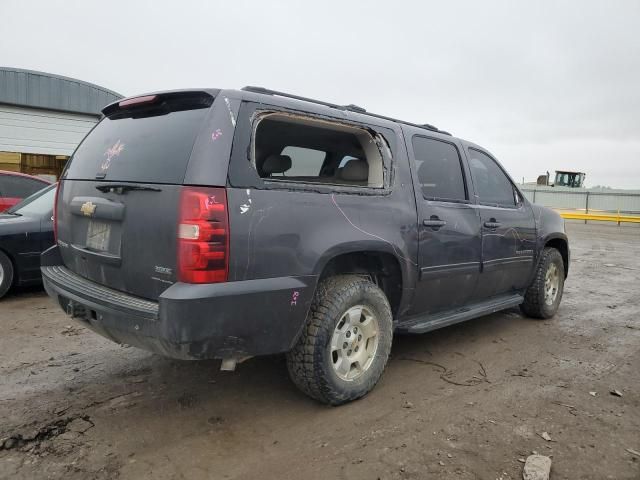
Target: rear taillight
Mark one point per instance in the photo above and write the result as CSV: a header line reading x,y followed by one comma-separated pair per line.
x,y
55,214
203,235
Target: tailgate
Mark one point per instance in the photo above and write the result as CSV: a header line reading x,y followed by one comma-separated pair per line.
x,y
118,203
126,241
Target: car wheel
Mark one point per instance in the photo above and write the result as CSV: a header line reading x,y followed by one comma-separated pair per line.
x,y
344,347
6,274
543,296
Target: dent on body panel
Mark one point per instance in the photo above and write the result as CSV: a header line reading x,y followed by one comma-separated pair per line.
x,y
522,244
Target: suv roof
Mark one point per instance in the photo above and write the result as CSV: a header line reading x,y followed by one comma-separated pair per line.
x,y
351,107
251,92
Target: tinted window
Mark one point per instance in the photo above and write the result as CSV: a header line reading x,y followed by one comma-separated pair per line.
x,y
14,186
40,203
153,149
439,169
492,185
304,161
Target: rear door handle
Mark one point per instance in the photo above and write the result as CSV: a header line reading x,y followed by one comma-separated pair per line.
x,y
434,222
492,224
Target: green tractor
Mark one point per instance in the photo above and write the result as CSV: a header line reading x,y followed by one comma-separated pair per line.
x,y
564,178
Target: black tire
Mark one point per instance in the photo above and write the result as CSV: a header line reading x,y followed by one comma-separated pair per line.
x,y
6,274
535,300
310,363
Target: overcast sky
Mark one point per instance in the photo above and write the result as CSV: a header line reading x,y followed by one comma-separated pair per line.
x,y
542,85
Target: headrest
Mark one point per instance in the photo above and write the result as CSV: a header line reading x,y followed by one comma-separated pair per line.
x,y
276,164
355,171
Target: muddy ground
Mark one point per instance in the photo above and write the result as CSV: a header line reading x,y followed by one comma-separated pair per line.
x,y
470,401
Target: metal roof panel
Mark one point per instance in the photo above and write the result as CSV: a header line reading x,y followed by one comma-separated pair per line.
x,y
28,88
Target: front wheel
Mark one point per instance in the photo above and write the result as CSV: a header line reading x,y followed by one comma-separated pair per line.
x,y
344,347
543,296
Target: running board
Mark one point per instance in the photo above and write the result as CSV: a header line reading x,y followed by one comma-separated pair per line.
x,y
426,323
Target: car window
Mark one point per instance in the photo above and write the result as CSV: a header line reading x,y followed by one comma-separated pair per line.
x,y
40,203
296,149
151,148
304,161
439,169
14,186
492,185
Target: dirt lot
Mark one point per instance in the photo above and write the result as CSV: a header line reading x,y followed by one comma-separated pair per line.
x,y
465,402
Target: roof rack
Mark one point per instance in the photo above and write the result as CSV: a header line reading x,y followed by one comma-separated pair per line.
x,y
350,107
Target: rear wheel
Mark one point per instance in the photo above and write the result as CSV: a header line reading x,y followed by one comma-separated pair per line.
x,y
346,342
543,296
6,274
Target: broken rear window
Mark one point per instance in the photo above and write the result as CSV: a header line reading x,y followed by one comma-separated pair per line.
x,y
294,148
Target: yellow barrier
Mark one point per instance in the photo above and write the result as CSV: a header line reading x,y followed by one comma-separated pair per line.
x,y
608,217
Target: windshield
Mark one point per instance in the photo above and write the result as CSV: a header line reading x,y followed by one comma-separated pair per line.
x,y
562,179
38,204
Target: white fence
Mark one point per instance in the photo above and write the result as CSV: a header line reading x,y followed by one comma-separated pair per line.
x,y
588,201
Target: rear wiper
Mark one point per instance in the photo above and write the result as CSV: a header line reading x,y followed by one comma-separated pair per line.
x,y
124,187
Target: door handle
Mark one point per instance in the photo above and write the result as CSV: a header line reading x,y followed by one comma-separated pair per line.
x,y
434,222
492,224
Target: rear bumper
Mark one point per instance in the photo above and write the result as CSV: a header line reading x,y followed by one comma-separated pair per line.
x,y
225,320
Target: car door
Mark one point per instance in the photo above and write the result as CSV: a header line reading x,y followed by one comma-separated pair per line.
x,y
448,225
508,228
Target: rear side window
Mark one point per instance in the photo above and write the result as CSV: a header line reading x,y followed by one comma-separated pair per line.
x,y
298,149
152,147
14,186
439,169
492,185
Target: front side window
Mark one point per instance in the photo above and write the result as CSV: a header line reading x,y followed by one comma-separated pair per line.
x,y
299,149
493,187
439,169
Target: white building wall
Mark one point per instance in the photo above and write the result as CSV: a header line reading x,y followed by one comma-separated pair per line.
x,y
44,132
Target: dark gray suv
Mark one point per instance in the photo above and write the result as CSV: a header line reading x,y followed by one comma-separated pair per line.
x,y
228,224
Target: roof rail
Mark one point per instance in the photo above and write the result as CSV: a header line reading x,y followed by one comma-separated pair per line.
x,y
350,107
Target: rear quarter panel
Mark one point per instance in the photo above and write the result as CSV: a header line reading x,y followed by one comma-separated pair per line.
x,y
284,233
285,230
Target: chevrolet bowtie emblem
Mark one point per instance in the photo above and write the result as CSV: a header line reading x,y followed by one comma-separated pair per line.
x,y
88,208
